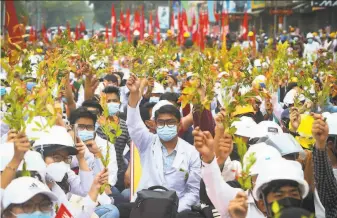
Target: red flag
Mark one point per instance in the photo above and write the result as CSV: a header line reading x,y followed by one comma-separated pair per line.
x,y
127,24
157,27
31,34
150,25
63,212
59,31
12,24
225,29
194,29
172,23
136,21
113,22
142,24
44,34
201,31
180,29
68,29
121,23
106,34
77,32
184,22
82,26
244,26
35,35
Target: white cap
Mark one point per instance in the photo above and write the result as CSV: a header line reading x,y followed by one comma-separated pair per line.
x,y
244,127
310,35
33,159
259,79
290,97
189,74
262,153
224,73
158,88
257,63
146,35
22,189
283,142
57,135
136,33
266,128
332,122
281,169
159,105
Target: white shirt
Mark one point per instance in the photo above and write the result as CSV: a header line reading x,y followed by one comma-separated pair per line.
x,y
220,193
310,51
184,174
96,165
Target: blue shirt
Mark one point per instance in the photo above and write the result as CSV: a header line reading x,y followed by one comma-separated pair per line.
x,y
168,158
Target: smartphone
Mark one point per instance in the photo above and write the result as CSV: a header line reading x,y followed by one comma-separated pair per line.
x,y
75,132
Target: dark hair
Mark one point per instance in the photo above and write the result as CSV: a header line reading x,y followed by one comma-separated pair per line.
x,y
276,185
149,105
168,109
170,96
120,74
111,90
174,78
111,78
144,113
94,104
81,112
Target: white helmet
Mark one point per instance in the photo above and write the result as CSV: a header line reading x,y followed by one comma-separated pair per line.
x,y
332,122
283,142
280,169
263,154
310,35
56,138
33,159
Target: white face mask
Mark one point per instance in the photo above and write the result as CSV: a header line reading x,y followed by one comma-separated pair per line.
x,y
56,171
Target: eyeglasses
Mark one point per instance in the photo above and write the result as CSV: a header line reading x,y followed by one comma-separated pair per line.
x,y
87,127
59,158
169,123
43,206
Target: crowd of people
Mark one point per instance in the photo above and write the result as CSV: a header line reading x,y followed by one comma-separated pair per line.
x,y
274,155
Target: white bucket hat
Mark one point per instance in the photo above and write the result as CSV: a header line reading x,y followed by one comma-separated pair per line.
x,y
22,189
281,169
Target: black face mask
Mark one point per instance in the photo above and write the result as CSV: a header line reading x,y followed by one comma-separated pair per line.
x,y
284,203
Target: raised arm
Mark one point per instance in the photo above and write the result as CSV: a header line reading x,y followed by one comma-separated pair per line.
x,y
326,183
136,127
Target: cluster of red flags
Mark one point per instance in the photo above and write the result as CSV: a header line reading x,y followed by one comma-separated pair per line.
x,y
199,30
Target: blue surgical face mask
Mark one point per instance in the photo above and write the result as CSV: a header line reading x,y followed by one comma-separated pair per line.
x,y
30,85
167,133
36,214
154,99
113,108
64,100
85,135
3,91
96,126
310,41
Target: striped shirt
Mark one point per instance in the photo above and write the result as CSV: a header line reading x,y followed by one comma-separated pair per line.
x,y
121,142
